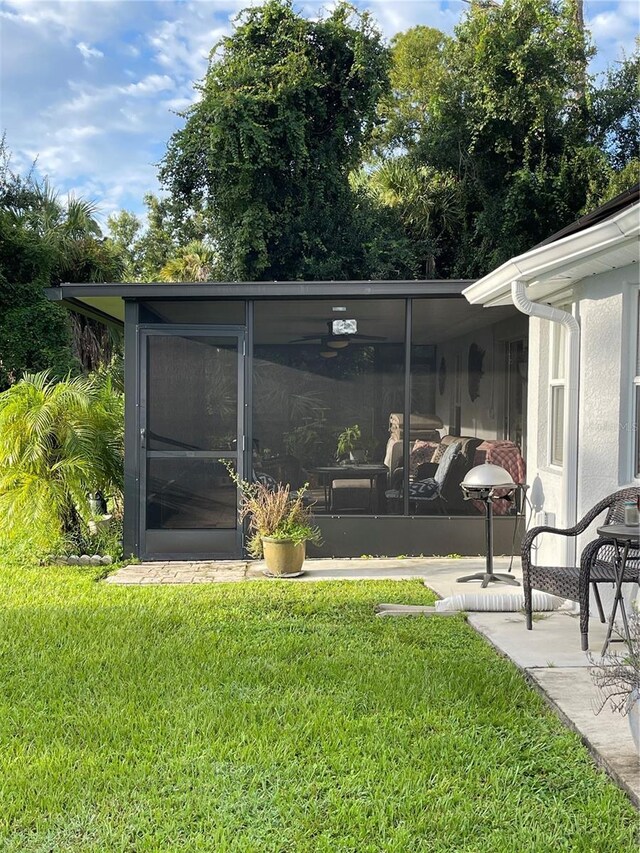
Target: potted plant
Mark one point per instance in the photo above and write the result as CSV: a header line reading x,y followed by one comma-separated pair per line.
x,y
347,444
280,525
618,678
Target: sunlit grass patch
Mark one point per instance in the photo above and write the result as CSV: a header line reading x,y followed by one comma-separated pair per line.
x,y
271,717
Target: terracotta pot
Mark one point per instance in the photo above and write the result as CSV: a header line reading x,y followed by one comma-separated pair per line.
x,y
282,556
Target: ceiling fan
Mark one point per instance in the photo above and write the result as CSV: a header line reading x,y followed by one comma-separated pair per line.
x,y
340,334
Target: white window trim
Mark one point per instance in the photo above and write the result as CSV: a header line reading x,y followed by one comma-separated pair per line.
x,y
634,403
555,337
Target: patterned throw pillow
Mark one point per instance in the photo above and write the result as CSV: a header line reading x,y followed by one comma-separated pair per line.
x,y
447,460
265,480
422,452
424,490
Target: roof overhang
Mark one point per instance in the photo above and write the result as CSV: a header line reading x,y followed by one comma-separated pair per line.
x,y
551,269
106,301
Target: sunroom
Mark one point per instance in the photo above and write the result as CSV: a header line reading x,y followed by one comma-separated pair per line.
x,y
330,384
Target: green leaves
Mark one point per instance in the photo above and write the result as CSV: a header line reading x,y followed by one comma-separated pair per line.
x,y
43,241
500,119
287,106
58,442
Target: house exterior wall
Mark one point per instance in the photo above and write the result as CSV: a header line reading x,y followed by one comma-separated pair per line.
x,y
606,307
603,463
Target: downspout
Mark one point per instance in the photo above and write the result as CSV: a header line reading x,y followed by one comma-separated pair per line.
x,y
571,419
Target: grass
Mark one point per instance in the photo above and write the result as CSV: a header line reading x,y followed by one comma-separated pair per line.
x,y
275,718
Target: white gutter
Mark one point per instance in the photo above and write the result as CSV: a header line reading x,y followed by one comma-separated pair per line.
x,y
548,270
571,414
555,258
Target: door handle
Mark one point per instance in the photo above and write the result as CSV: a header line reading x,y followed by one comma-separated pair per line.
x,y
143,437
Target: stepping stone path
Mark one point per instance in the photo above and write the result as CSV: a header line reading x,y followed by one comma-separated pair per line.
x,y
209,571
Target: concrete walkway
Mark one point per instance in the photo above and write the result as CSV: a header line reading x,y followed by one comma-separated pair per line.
x,y
549,656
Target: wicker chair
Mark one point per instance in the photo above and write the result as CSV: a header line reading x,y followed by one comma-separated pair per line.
x,y
596,563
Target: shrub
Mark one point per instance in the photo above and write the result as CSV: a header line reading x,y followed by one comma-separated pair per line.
x,y
59,441
274,511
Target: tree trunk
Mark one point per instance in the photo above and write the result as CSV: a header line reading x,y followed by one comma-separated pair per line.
x,y
94,344
581,80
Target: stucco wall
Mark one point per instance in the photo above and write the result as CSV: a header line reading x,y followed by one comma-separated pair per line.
x,y
605,319
606,308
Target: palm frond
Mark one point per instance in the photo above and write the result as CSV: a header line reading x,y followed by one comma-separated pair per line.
x,y
58,442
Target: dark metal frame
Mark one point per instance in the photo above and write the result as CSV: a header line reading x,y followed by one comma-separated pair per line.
x,y
131,526
360,530
260,290
623,540
203,540
406,414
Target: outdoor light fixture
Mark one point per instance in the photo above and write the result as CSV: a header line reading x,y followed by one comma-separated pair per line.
x,y
486,483
344,327
338,343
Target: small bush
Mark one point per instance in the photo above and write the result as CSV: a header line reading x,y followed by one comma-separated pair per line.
x,y
274,511
59,441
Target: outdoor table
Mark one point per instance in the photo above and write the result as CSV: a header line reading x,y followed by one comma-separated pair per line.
x,y
623,537
353,471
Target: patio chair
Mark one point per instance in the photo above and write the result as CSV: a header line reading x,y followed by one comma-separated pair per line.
x,y
441,492
596,563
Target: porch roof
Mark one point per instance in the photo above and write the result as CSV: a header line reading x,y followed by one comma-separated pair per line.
x,y
106,301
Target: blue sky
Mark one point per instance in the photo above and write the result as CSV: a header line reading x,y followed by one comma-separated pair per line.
x,y
91,87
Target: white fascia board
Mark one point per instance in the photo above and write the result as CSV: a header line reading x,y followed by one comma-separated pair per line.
x,y
554,259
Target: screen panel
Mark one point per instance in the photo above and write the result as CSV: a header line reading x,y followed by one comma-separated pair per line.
x,y
192,393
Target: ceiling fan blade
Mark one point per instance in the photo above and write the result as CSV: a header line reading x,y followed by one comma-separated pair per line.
x,y
307,339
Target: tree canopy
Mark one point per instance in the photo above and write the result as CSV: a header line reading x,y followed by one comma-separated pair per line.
x,y
416,70
45,240
510,118
317,152
286,109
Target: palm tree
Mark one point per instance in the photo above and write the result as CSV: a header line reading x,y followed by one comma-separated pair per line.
x,y
427,200
41,210
70,233
193,262
59,441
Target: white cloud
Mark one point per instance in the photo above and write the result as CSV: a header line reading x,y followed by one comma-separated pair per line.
x,y
150,85
85,99
182,46
89,52
614,27
56,160
34,13
92,86
76,133
619,25
83,19
179,104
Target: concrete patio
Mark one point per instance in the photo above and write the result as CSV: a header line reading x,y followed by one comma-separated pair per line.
x,y
549,656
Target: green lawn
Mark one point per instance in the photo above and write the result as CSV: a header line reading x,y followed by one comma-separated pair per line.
x,y
275,717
